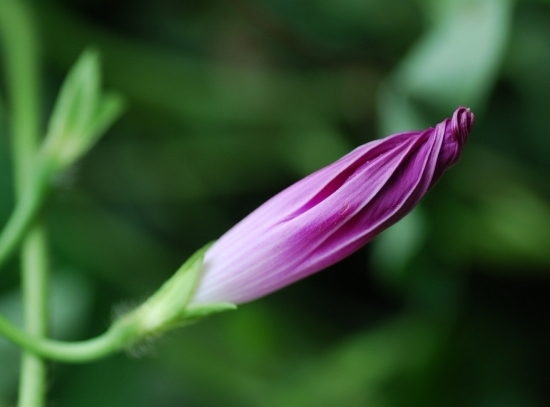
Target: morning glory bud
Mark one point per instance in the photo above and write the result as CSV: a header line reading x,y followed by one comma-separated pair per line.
x,y
329,214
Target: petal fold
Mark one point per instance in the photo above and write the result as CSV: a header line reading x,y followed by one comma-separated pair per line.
x,y
331,213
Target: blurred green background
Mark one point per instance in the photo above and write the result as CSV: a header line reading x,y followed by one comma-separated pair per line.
x,y
231,101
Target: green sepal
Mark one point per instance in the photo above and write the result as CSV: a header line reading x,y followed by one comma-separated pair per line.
x,y
169,307
196,312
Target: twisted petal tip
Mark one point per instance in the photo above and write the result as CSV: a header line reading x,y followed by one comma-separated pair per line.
x,y
462,124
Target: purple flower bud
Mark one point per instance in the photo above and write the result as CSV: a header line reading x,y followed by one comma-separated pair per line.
x,y
331,213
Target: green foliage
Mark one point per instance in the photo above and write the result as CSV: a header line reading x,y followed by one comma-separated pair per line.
x,y
455,62
81,115
232,101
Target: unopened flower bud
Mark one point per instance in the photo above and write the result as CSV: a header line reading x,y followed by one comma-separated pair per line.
x,y
330,214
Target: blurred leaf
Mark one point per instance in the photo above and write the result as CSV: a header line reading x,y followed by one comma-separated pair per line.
x,y
455,63
81,114
77,98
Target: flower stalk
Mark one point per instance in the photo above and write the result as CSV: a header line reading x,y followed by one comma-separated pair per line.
x,y
166,309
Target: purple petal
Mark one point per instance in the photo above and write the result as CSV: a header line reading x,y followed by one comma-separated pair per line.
x,y
331,213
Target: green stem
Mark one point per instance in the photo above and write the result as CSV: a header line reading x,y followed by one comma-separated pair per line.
x,y
22,218
123,333
120,335
21,68
34,266
19,40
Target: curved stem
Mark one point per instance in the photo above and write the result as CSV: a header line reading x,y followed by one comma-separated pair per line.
x,y
21,219
119,336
